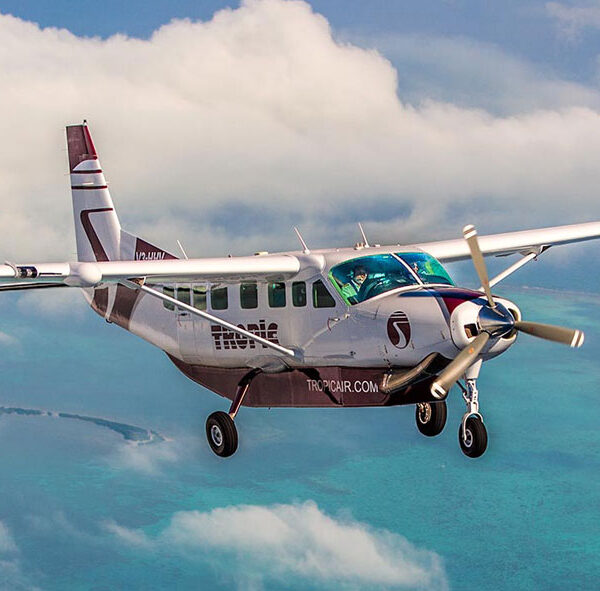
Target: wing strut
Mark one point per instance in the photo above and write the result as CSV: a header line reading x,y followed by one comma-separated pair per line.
x,y
211,318
530,256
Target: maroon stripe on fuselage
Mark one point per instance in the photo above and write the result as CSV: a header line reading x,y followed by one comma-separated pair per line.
x,y
95,171
100,301
125,302
457,297
320,387
449,298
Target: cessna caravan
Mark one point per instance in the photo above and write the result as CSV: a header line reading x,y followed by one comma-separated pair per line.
x,y
367,325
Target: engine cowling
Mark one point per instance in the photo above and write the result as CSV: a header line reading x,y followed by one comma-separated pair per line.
x,y
470,318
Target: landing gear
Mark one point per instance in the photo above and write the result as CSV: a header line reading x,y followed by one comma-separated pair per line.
x,y
472,434
472,437
221,434
431,417
220,429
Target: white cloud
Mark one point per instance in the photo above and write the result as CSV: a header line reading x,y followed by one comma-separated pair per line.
x,y
226,133
300,540
8,340
7,542
573,18
130,537
147,459
12,577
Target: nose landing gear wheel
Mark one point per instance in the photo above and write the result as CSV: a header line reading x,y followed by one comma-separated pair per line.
x,y
474,440
221,434
431,417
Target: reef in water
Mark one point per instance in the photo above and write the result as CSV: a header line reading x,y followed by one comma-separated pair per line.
x,y
132,433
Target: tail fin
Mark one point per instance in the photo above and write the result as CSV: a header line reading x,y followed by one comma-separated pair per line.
x,y
97,229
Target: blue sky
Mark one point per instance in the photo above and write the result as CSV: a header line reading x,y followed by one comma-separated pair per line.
x,y
525,29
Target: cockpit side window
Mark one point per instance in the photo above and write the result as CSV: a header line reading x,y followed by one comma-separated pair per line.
x,y
428,269
321,297
360,279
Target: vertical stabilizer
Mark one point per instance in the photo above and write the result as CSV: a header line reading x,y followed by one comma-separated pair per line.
x,y
97,227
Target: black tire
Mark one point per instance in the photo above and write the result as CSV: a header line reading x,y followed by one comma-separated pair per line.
x,y
431,417
221,434
476,437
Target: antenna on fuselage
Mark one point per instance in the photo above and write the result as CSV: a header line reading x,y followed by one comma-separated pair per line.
x,y
185,256
364,236
305,248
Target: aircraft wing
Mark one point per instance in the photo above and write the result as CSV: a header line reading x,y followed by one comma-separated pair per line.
x,y
88,274
524,242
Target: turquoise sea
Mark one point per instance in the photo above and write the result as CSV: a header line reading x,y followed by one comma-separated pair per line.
x,y
314,499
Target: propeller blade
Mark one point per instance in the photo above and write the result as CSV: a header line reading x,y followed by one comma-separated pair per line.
x,y
558,334
441,386
470,234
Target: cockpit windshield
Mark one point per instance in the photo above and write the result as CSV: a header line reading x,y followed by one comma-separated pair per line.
x,y
365,277
426,267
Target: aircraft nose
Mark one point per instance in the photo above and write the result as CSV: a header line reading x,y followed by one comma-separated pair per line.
x,y
473,317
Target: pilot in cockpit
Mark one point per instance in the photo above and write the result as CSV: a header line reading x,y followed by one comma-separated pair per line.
x,y
359,276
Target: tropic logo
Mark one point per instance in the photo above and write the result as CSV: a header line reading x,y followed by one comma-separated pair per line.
x,y
224,338
398,330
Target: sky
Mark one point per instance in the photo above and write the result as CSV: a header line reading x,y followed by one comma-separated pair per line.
x,y
224,125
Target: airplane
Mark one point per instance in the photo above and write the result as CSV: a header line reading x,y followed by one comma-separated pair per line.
x,y
361,326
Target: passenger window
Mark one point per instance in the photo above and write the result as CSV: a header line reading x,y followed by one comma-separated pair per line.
x,y
199,297
321,297
299,293
183,295
249,295
218,298
277,295
169,291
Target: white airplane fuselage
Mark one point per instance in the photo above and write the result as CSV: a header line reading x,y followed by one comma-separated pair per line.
x,y
397,329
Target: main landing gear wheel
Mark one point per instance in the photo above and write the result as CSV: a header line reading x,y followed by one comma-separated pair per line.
x,y
473,440
221,434
431,417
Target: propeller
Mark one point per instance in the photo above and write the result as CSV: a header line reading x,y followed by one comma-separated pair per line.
x,y
470,234
558,334
457,367
495,321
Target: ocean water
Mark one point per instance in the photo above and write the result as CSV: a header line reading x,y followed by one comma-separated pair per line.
x,y
83,506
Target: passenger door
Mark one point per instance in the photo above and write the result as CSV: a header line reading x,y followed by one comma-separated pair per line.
x,y
185,324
